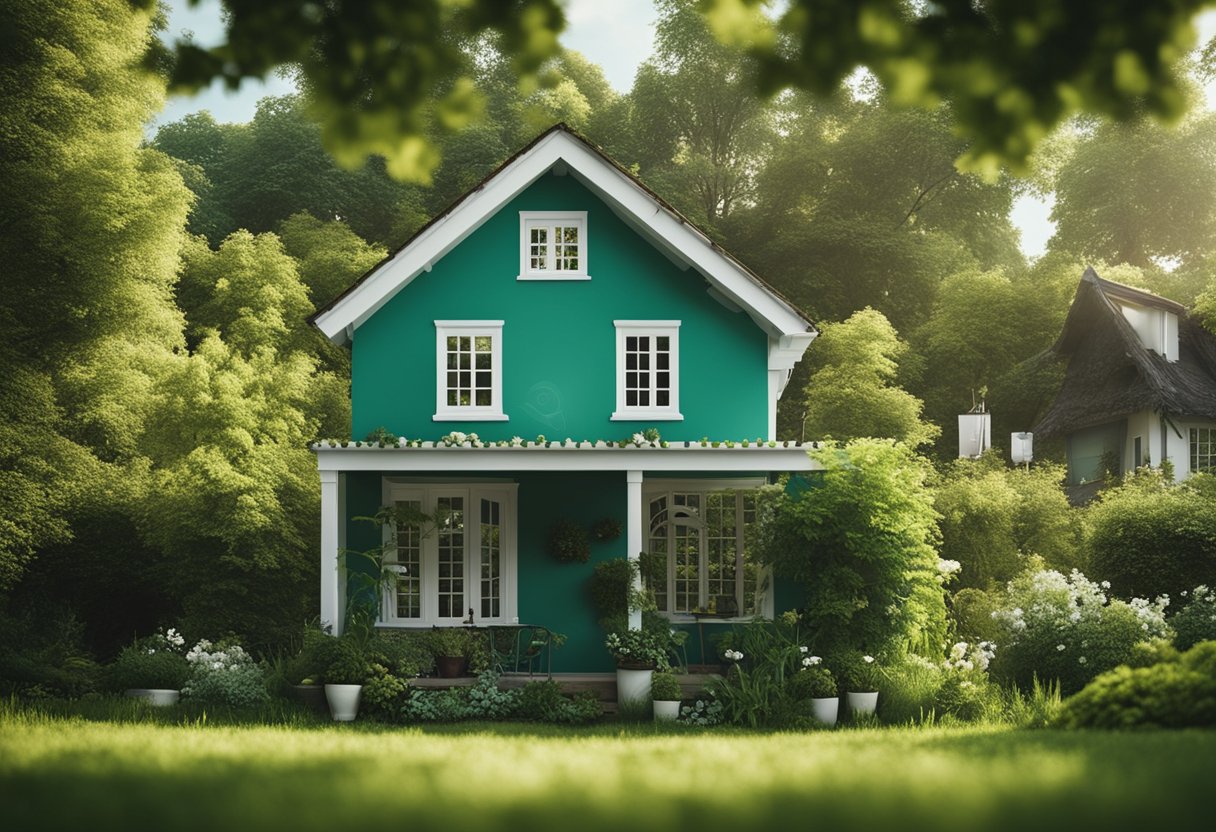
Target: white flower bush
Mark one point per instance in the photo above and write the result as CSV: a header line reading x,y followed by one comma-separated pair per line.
x,y
1065,627
1196,621
224,676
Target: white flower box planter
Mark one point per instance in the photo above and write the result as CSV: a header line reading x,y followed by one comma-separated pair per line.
x,y
666,710
343,701
632,686
826,710
863,703
157,697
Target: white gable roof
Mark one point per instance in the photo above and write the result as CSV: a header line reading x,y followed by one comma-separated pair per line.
x,y
637,206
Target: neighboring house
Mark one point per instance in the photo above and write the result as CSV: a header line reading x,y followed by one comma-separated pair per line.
x,y
559,297
1140,385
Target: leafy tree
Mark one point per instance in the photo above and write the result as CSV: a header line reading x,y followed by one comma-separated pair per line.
x,y
381,76
1139,194
861,546
329,256
993,518
1011,69
92,227
851,392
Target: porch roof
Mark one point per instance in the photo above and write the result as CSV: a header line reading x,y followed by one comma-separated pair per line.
x,y
564,456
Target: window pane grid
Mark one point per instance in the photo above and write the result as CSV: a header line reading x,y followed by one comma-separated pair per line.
x,y
491,559
450,592
553,247
1203,449
409,561
470,371
648,371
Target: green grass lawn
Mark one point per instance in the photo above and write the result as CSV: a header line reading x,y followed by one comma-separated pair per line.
x,y
61,772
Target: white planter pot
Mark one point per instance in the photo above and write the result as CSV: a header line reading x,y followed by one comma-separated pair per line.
x,y
343,701
825,710
863,703
632,686
666,710
159,697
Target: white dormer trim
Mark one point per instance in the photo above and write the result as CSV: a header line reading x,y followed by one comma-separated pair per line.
x,y
662,226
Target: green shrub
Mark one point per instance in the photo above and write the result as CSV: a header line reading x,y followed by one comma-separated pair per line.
x,y
909,690
543,702
1165,696
348,665
811,683
1150,537
860,545
665,687
960,697
859,672
1066,628
153,662
384,694
1196,621
568,542
973,609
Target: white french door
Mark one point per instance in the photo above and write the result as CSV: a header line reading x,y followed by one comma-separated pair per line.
x,y
460,563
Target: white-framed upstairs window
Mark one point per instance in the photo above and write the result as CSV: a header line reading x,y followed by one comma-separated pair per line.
x,y
459,562
647,371
468,371
553,245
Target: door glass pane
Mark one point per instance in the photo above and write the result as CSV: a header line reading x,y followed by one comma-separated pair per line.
x,y
451,575
658,547
409,564
491,559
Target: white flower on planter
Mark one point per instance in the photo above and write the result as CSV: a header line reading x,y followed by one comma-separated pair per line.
x,y
802,649
948,567
811,661
733,655
868,659
1082,660
1060,647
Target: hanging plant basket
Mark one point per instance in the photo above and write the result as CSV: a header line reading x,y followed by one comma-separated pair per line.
x,y
606,529
568,542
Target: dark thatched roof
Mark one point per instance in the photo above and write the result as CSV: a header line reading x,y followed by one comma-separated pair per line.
x,y
1111,375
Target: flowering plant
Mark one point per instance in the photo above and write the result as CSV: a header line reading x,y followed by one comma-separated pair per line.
x,y
814,682
860,673
1196,621
639,649
1067,628
224,675
154,662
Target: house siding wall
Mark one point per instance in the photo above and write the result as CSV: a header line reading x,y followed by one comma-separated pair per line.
x,y
559,342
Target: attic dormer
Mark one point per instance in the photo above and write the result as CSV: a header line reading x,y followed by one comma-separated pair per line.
x,y
1157,328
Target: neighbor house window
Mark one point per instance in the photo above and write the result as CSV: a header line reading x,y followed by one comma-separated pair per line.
x,y
1203,449
452,549
647,370
553,245
468,370
699,538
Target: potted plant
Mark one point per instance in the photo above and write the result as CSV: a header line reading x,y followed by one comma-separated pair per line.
x,y
344,678
451,647
153,669
861,678
638,653
305,671
815,684
666,692
606,529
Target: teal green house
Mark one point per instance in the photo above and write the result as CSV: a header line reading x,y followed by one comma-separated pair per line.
x,y
526,346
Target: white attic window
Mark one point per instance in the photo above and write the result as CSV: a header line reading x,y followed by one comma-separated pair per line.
x,y
553,245
1156,328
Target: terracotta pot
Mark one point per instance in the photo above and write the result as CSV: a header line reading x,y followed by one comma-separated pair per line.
x,y
451,667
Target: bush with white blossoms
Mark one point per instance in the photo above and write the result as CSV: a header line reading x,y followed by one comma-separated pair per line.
x,y
1065,627
1196,621
224,675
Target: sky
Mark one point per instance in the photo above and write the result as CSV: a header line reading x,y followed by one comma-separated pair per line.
x,y
616,34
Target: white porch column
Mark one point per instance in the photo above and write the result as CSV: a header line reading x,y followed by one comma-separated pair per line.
x,y
633,533
331,524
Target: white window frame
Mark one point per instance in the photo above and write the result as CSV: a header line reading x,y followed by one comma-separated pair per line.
x,y
533,219
653,329
428,495
1194,458
704,487
468,413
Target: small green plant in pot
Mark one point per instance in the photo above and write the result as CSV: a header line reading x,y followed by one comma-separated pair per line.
x,y
153,668
637,654
814,683
348,669
666,692
861,676
452,648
